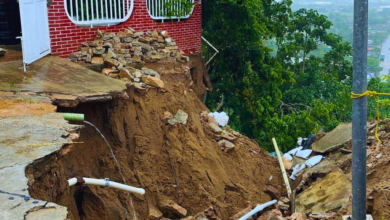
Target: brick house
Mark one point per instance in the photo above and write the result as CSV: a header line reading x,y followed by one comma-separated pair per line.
x,y
66,26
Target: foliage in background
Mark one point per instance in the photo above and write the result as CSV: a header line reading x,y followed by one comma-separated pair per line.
x,y
283,92
377,84
177,8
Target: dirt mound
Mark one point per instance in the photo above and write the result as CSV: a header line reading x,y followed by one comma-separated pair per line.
x,y
151,152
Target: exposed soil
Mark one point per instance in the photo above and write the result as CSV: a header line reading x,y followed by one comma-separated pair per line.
x,y
144,144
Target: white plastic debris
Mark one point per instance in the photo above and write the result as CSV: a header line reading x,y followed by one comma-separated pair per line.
x,y
303,153
288,157
270,178
314,160
221,117
299,142
294,151
296,170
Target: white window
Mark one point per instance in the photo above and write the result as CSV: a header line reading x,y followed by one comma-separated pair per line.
x,y
98,12
170,9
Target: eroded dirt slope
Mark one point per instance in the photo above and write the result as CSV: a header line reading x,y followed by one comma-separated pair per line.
x,y
144,144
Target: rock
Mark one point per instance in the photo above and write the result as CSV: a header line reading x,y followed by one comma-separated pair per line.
x,y
171,44
137,74
274,214
138,34
160,39
110,54
107,45
136,58
164,33
88,58
181,117
152,81
98,51
298,216
113,63
155,33
146,46
272,192
167,115
242,212
226,145
329,193
334,139
49,211
283,206
151,73
125,74
113,75
154,213
128,32
107,71
172,48
97,60
215,128
137,80
229,137
122,51
171,208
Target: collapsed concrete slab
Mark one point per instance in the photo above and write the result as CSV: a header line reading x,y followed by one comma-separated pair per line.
x,y
334,139
25,139
329,193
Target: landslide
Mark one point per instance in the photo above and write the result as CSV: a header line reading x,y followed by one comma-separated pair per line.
x,y
144,144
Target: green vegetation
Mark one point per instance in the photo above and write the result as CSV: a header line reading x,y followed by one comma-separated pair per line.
x,y
283,92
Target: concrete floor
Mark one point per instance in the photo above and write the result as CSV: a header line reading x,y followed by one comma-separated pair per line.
x,y
61,78
28,122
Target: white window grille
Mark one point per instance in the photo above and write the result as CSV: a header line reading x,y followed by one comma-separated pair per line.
x,y
98,12
158,9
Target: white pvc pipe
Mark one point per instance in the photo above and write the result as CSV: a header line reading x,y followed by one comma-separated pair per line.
x,y
102,182
257,209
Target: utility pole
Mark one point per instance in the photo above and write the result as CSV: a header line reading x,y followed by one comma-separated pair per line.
x,y
359,110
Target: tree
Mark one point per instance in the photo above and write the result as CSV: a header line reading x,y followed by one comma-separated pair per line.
x,y
373,65
285,93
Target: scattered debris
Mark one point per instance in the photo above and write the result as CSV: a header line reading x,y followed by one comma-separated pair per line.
x,y
284,174
171,208
220,117
180,117
298,168
120,52
334,139
304,153
330,193
314,160
298,216
349,217
226,146
274,214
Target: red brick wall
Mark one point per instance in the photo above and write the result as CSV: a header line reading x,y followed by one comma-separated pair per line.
x,y
66,37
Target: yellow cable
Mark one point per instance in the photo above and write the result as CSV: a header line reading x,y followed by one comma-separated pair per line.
x,y
374,95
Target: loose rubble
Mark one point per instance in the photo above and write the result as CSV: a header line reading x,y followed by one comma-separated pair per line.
x,y
120,52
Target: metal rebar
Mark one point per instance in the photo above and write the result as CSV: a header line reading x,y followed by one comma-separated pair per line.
x,y
359,110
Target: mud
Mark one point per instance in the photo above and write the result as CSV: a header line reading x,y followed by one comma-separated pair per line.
x,y
144,145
